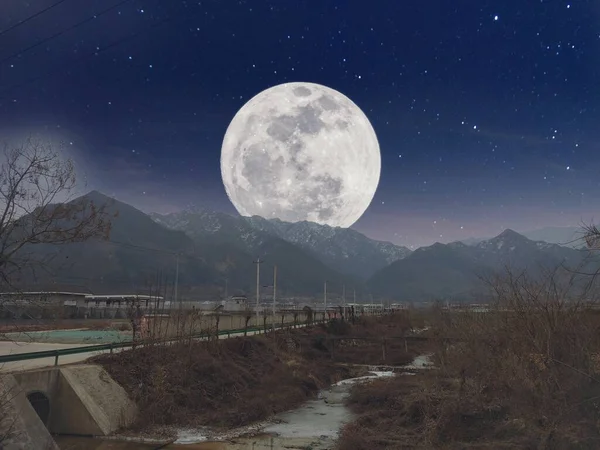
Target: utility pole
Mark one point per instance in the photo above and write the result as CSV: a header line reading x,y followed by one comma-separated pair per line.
x,y
325,297
177,282
226,286
274,293
344,299
258,262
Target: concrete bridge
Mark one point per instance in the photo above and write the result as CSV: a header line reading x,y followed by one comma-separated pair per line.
x,y
79,400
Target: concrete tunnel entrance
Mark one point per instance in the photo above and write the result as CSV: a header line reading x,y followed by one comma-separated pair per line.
x,y
41,404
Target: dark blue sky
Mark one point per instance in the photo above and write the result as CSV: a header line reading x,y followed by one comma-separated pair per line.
x,y
486,111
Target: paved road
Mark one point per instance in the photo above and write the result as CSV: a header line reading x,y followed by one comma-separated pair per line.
x,y
9,348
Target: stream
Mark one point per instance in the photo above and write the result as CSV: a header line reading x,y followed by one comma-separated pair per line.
x,y
313,425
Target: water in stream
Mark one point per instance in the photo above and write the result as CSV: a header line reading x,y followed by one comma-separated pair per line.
x,y
313,425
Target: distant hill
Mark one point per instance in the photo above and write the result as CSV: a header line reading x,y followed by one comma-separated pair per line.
x,y
141,253
566,236
218,249
458,270
429,273
344,250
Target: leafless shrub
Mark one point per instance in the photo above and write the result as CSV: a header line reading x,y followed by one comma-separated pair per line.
x,y
591,236
8,416
36,185
524,374
247,317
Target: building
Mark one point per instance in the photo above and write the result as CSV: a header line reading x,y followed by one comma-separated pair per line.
x,y
124,301
41,298
398,307
37,304
235,303
368,308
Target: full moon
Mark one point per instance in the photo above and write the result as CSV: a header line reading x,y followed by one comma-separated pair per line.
x,y
301,151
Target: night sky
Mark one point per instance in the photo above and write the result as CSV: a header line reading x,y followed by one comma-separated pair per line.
x,y
487,112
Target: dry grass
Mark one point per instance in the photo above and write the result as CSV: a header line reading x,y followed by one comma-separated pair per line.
x,y
229,383
237,381
528,378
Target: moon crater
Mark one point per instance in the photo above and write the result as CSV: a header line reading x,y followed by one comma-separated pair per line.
x,y
301,151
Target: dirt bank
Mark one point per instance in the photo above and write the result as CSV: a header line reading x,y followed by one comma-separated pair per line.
x,y
239,381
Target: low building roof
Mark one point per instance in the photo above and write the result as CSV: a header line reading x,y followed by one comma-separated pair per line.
x,y
75,294
122,297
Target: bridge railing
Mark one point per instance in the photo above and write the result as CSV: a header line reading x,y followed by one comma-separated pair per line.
x,y
15,357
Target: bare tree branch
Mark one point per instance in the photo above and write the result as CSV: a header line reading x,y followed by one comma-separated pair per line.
x,y
36,207
591,236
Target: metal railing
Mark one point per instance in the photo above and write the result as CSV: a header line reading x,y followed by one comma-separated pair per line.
x,y
15,357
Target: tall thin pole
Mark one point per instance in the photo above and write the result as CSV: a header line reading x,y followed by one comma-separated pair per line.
x,y
325,297
258,262
274,292
226,286
177,280
344,298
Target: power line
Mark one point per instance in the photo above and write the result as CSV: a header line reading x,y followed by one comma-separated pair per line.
x,y
27,19
84,57
140,247
64,31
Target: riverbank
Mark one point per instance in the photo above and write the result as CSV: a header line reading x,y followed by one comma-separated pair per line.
x,y
313,425
508,381
242,381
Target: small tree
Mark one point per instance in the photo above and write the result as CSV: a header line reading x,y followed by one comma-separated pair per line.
x,y
36,186
135,313
309,315
265,320
591,236
218,312
247,317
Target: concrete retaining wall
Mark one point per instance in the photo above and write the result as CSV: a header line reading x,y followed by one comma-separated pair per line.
x,y
83,400
20,426
92,403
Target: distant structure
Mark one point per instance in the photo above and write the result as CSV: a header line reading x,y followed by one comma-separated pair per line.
x,y
49,304
123,301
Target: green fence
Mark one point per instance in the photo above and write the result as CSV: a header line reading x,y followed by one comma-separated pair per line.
x,y
117,345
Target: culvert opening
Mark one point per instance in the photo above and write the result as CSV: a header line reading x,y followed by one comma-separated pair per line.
x,y
41,405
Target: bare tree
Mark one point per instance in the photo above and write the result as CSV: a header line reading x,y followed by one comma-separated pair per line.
x,y
591,235
308,312
36,207
247,317
265,316
218,312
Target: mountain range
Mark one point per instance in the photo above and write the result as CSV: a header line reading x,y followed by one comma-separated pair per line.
x,y
460,271
215,253
565,236
343,249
